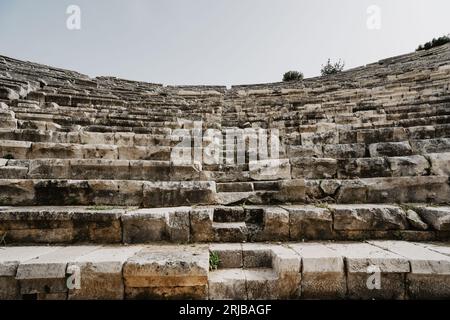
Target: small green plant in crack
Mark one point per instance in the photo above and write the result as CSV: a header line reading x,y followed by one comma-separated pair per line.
x,y
8,157
214,261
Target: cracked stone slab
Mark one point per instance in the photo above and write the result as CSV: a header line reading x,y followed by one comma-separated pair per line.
x,y
227,284
368,217
364,261
10,258
323,271
101,273
46,274
430,270
167,272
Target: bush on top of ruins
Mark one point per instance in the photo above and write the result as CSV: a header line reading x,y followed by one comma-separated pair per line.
x,y
293,76
332,68
434,43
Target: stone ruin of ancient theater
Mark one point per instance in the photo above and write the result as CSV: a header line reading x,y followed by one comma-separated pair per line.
x,y
89,186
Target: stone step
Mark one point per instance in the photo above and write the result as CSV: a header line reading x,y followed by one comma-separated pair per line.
x,y
119,138
12,149
116,224
426,189
106,192
361,150
346,270
149,170
423,189
230,231
406,166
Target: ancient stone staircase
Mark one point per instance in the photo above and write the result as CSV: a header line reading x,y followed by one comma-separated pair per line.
x,y
89,185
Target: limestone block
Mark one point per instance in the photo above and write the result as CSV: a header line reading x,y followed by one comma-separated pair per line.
x,y
326,137
256,255
313,168
187,172
421,132
96,138
149,170
13,171
227,284
145,225
49,169
343,151
178,224
274,169
329,187
230,255
99,151
14,149
236,187
167,272
291,191
116,192
368,217
309,222
287,265
230,231
45,150
431,146
430,270
124,139
99,168
10,258
160,194
101,273
36,225
390,149
276,225
16,192
323,274
46,274
262,284
369,136
363,168
438,217
408,189
408,166
144,153
440,163
97,224
363,261
201,229
296,151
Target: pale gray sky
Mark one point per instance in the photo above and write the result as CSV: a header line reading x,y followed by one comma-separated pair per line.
x,y
220,42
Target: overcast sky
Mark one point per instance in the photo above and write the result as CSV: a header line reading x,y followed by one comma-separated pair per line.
x,y
220,42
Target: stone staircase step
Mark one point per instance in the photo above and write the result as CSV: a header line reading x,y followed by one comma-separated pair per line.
x,y
116,224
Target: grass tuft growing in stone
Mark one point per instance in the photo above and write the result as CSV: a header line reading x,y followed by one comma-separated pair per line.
x,y
214,260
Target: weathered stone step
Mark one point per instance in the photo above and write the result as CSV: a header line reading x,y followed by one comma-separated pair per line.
x,y
362,150
12,149
427,189
118,138
149,170
379,166
230,231
350,270
111,224
106,192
